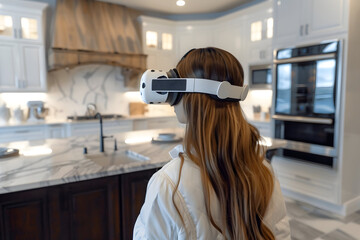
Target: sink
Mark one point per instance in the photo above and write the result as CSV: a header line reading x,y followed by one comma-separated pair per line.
x,y
110,158
86,117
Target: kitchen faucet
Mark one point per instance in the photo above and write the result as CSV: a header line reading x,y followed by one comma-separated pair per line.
x,y
98,115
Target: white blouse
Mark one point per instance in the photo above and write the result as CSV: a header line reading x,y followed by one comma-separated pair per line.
x,y
159,219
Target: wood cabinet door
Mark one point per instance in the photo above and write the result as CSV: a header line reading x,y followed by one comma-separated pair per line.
x,y
86,210
133,190
24,215
94,209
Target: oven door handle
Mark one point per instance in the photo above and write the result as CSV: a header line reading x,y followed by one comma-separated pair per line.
x,y
306,58
303,119
311,148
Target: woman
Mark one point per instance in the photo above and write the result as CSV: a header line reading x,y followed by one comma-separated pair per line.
x,y
221,186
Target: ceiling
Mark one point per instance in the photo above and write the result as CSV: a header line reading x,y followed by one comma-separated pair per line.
x,y
169,7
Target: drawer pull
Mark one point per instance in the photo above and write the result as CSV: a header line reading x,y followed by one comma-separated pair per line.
x,y
56,125
303,178
22,131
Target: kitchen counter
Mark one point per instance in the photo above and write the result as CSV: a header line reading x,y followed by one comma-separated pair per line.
x,y
54,121
58,121
58,161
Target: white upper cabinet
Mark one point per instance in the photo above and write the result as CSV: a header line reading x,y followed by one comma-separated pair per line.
x,y
22,67
259,33
229,35
302,21
159,42
32,61
22,47
332,20
287,19
195,34
20,26
8,66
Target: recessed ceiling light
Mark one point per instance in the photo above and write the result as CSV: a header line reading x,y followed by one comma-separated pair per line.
x,y
180,3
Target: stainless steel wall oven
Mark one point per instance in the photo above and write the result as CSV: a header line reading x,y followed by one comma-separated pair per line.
x,y
306,99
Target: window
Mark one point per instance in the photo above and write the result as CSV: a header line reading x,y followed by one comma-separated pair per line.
x,y
262,29
256,29
6,25
29,28
151,39
167,41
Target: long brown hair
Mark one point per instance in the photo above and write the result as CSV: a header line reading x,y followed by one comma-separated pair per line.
x,y
225,147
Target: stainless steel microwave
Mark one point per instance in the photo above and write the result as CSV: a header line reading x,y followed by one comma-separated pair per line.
x,y
260,76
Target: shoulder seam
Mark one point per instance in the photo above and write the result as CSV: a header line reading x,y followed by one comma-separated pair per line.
x,y
189,223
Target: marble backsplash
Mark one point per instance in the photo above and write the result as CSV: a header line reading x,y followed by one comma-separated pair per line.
x,y
262,98
69,92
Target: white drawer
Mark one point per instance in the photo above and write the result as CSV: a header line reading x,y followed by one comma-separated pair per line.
x,y
109,127
307,179
265,128
163,123
140,124
56,131
83,129
23,133
308,186
117,126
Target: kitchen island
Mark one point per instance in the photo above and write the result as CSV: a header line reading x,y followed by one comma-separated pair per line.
x,y
58,188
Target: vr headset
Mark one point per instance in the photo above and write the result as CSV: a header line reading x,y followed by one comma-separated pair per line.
x,y
158,87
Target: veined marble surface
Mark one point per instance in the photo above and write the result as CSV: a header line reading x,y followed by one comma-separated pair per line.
x,y
54,121
57,161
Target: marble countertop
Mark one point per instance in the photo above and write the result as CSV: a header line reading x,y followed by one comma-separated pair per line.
x,y
54,121
62,121
58,161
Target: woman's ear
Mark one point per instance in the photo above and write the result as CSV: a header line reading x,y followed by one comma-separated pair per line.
x,y
180,112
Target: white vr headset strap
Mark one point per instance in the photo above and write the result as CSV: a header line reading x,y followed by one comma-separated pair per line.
x,y
220,89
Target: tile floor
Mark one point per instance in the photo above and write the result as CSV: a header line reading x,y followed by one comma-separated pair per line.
x,y
310,223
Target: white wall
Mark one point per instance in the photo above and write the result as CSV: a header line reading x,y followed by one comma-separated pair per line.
x,y
351,96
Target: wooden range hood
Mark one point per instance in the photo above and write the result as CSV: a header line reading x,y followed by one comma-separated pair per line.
x,y
88,31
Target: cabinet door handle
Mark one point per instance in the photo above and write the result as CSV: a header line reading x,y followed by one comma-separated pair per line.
x,y
17,82
301,30
15,33
20,33
307,29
